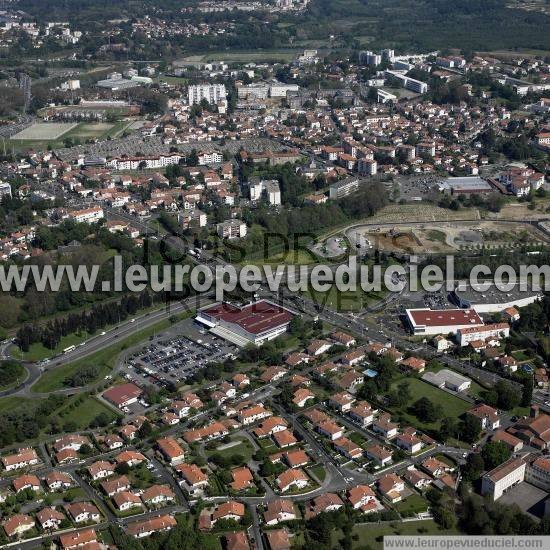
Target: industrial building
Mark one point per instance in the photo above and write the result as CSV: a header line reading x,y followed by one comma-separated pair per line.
x,y
491,300
465,186
447,379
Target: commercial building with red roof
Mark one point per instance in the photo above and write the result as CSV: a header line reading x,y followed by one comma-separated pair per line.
x,y
254,323
444,321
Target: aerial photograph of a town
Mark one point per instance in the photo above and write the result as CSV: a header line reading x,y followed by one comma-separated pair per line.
x,y
274,274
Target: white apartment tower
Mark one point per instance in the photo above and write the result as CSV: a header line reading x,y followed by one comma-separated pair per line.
x,y
213,93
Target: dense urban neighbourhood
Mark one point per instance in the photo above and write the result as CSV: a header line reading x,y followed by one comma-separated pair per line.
x,y
243,134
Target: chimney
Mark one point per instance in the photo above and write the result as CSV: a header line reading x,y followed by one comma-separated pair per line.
x,y
534,412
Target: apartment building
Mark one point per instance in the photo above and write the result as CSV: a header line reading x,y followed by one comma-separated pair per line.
x,y
231,229
268,188
537,473
466,335
343,188
406,82
212,93
367,167
150,162
502,478
87,215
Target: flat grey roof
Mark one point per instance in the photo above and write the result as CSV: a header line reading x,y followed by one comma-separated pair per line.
x,y
443,376
493,295
467,183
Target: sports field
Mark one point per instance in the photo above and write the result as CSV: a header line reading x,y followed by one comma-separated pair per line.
x,y
42,135
45,131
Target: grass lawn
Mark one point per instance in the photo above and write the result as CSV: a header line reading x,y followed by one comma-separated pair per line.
x,y
38,352
447,459
253,55
358,439
318,471
78,409
211,541
452,406
85,412
244,448
172,79
372,535
520,355
415,503
106,359
13,402
344,301
292,257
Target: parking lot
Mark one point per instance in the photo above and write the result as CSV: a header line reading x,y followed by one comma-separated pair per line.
x,y
416,187
176,355
437,300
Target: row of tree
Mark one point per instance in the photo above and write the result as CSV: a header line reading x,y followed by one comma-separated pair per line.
x,y
99,317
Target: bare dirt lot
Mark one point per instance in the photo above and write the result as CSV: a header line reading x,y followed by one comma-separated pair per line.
x,y
446,237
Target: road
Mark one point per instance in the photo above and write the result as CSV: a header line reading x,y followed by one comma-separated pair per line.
x,y
99,342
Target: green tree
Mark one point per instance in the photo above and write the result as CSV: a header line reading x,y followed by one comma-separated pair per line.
x,y
495,453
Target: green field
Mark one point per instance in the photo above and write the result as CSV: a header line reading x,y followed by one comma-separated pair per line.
x,y
85,412
38,351
292,257
106,359
12,402
177,80
80,409
452,406
345,301
371,535
244,448
253,55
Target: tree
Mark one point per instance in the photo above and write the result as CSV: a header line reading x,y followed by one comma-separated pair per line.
x,y
449,428
495,453
193,158
527,392
426,410
508,396
470,428
474,467
145,430
122,468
